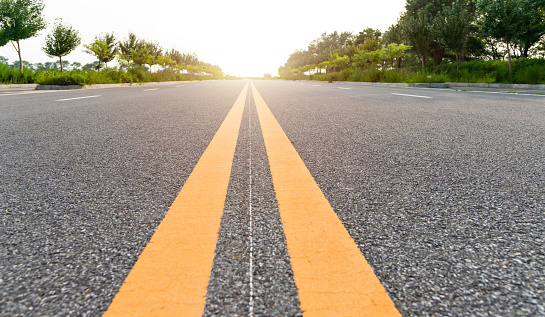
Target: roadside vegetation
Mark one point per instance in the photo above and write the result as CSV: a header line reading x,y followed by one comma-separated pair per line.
x,y
491,41
137,60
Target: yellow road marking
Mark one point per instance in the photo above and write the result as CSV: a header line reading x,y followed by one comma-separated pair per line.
x,y
171,275
331,274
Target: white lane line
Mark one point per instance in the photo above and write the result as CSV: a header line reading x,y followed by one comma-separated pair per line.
x,y
180,86
30,92
344,88
427,97
251,271
86,97
151,89
502,93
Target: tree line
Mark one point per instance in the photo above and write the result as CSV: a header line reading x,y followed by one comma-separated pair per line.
x,y
431,33
23,19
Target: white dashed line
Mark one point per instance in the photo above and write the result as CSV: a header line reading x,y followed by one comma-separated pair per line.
x,y
86,97
251,271
151,89
426,97
344,88
502,93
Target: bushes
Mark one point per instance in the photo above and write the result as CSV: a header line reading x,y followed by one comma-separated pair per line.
x,y
54,78
525,71
10,75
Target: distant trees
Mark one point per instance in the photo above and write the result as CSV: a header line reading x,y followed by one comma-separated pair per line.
x,y
22,19
457,30
154,51
104,48
512,22
19,20
345,54
61,41
136,51
451,27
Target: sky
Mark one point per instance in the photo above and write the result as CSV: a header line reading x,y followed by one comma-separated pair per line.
x,y
243,37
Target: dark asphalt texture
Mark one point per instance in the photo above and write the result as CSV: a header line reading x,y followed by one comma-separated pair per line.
x,y
86,182
274,290
444,196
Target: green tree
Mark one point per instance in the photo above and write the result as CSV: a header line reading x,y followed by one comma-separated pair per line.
x,y
367,34
141,57
417,32
177,57
61,41
338,62
166,62
126,47
534,28
507,20
76,65
396,51
155,50
99,49
19,20
451,27
104,48
368,58
394,34
132,42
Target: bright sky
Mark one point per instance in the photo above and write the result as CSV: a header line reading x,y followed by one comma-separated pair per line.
x,y
245,38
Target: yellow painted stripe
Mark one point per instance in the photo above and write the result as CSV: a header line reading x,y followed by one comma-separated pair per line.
x,y
331,274
171,275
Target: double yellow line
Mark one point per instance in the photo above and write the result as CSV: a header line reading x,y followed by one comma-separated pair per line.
x,y
171,275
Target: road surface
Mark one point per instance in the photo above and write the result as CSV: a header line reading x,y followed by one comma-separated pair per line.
x,y
439,192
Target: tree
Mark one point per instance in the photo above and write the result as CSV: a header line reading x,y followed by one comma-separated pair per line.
x,y
76,65
99,49
367,34
418,35
61,41
3,60
141,57
534,28
394,34
416,9
155,50
368,58
395,51
177,57
51,65
104,48
508,20
126,47
19,20
451,27
166,61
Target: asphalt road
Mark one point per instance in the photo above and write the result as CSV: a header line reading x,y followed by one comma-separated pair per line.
x,y
441,190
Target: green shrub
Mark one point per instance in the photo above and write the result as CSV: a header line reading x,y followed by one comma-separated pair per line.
x,y
346,73
530,75
57,78
10,75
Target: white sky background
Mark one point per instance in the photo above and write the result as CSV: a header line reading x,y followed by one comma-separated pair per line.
x,y
243,37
